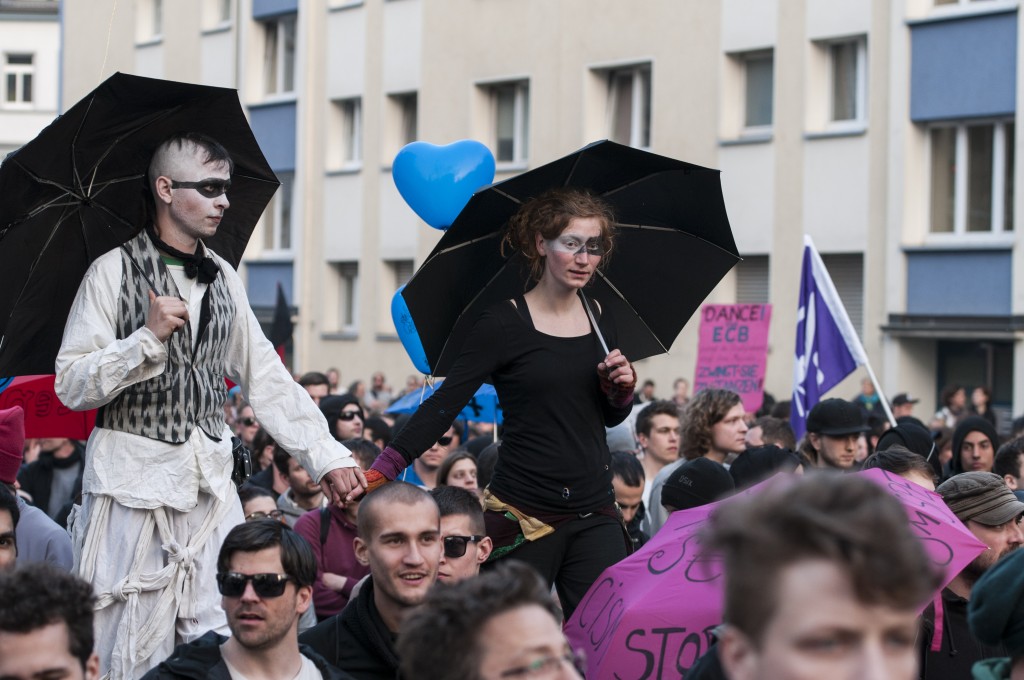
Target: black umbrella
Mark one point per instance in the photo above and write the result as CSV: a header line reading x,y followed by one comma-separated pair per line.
x,y
78,190
673,245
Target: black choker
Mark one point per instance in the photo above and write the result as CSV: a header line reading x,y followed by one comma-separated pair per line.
x,y
195,264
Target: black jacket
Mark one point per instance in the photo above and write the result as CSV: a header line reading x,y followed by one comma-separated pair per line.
x,y
36,479
960,649
356,640
201,660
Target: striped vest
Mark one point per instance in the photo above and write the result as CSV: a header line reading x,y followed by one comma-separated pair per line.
x,y
191,390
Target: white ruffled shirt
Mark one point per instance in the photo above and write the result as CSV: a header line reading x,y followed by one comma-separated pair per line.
x,y
93,367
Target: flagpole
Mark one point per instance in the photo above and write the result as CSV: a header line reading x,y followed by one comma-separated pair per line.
x,y
881,395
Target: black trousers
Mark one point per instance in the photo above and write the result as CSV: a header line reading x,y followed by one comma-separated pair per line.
x,y
574,556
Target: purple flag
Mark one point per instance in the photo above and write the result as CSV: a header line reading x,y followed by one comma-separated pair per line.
x,y
827,346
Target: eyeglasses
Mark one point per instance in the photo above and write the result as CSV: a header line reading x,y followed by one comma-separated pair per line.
x,y
445,440
232,584
546,666
455,546
259,514
248,422
350,415
574,245
210,188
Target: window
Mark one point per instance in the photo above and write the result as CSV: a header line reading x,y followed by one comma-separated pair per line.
x,y
401,271
848,80
279,56
847,272
752,280
759,86
629,104
351,130
18,73
510,106
216,13
277,232
972,175
149,20
408,114
348,295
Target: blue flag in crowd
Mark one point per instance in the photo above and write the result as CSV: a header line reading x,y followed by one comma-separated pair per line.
x,y
827,346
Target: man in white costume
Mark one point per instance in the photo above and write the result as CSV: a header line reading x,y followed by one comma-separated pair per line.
x,y
156,326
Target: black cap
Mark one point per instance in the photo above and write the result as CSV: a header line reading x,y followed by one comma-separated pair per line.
x,y
836,417
903,398
696,482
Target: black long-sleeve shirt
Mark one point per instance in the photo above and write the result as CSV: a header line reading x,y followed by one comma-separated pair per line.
x,y
553,455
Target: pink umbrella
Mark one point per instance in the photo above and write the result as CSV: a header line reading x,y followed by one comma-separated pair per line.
x,y
651,615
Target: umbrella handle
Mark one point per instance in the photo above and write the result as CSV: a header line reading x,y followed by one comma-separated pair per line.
x,y
593,323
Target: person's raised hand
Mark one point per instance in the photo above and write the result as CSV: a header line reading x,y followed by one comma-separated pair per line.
x,y
166,315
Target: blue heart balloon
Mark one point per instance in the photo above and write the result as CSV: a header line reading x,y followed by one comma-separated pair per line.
x,y
437,181
407,332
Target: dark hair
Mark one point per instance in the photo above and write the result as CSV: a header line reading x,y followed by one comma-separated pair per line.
x,y
297,556
776,431
260,441
781,409
1007,460
708,407
332,406
314,378
440,639
363,450
658,407
947,393
214,150
250,491
628,468
379,427
485,463
1017,426
281,458
9,503
387,495
899,460
445,468
548,215
39,595
850,521
454,500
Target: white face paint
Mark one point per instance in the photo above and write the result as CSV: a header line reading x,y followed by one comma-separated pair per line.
x,y
571,244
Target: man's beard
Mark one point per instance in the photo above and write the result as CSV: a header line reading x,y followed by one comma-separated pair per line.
x,y
980,564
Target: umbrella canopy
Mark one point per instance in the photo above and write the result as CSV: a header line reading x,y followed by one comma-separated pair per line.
x,y
651,615
45,415
673,245
78,190
483,407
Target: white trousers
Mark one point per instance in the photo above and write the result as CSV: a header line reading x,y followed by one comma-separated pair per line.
x,y
153,572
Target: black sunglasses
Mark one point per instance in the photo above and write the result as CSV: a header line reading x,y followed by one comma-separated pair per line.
x,y
210,188
350,415
232,584
444,441
455,546
248,422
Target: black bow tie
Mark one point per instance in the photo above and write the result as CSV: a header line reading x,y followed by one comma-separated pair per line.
x,y
196,265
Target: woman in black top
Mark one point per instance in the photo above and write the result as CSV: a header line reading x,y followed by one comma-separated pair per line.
x,y
550,501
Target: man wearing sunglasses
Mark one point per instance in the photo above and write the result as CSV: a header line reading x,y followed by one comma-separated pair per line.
x,y
265,574
156,326
423,471
466,546
399,539
344,416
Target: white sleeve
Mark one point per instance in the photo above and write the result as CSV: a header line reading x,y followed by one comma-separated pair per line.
x,y
93,366
282,406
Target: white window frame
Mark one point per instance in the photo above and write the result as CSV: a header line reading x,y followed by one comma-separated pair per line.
x,y
961,165
351,112
641,91
22,73
149,21
520,121
275,71
860,93
408,106
746,58
348,296
217,14
282,206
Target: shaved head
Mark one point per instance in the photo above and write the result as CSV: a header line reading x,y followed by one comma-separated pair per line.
x,y
177,153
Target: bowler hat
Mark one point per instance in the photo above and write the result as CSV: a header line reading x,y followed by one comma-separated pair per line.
x,y
836,417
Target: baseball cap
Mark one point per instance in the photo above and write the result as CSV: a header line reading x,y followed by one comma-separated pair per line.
x,y
696,482
836,417
903,398
981,496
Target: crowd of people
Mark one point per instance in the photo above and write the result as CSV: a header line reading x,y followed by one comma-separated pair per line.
x,y
289,528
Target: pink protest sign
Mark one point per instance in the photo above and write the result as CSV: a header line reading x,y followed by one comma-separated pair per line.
x,y
733,350
651,615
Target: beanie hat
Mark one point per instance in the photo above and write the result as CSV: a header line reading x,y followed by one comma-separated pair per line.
x,y
759,463
995,612
696,482
12,443
965,427
916,437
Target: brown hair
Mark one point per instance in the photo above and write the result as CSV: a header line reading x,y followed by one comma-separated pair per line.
x,y
845,519
710,406
548,215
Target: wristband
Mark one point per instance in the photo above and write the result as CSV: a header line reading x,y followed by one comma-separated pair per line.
x,y
389,463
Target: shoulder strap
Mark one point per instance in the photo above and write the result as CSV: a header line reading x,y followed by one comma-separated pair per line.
x,y
325,524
